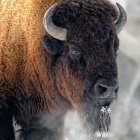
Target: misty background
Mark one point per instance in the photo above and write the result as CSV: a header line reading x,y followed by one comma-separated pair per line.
x,y
126,110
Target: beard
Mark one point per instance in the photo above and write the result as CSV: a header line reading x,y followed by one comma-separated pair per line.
x,y
94,117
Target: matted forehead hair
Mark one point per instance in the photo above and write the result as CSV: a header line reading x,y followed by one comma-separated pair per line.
x,y
61,13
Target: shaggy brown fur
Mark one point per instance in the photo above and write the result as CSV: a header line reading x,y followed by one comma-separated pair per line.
x,y
39,75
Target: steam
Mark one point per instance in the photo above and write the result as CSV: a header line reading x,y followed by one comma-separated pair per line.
x,y
73,128
44,127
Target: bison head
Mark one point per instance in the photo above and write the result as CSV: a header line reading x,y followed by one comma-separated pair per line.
x,y
82,36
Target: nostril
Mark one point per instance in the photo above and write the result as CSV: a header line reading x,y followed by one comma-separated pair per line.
x,y
105,88
101,90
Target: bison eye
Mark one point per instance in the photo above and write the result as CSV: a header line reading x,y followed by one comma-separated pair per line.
x,y
74,53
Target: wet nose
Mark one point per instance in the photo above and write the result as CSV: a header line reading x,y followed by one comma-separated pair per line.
x,y
106,88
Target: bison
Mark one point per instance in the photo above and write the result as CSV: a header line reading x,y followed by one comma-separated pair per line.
x,y
64,61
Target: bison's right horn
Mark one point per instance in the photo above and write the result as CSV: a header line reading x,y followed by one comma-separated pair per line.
x,y
120,23
55,31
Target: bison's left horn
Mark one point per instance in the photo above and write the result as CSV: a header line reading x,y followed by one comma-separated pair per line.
x,y
55,31
120,23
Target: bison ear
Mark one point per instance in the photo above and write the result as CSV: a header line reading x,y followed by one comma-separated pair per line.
x,y
51,45
65,13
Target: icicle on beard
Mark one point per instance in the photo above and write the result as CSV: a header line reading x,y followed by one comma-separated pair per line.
x,y
94,117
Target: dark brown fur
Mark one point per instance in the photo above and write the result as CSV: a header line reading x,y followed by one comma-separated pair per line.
x,y
37,74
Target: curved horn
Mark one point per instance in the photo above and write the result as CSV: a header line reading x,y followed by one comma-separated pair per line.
x,y
120,23
55,31
113,2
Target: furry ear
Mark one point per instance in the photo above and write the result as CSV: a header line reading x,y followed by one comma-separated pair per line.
x,y
64,13
51,45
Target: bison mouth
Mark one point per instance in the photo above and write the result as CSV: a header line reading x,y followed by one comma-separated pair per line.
x,y
96,116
